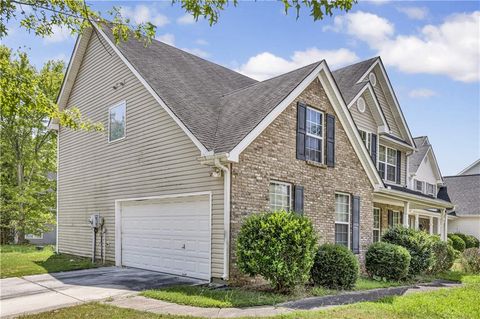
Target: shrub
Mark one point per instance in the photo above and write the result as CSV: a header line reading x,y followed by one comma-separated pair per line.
x,y
471,260
443,257
418,244
335,267
387,261
457,242
471,242
280,246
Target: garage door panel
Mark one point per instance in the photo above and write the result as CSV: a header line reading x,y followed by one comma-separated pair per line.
x,y
170,235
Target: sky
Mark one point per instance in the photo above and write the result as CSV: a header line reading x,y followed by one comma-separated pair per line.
x,y
431,50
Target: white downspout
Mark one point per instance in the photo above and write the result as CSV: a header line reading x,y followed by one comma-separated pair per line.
x,y
57,183
226,217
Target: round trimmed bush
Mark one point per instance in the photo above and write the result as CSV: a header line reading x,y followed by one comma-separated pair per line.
x,y
457,242
387,261
335,267
279,246
471,260
418,244
471,242
443,257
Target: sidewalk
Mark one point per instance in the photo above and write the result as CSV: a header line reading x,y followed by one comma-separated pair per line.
x,y
313,303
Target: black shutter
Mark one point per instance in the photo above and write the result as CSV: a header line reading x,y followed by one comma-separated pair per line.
x,y
298,200
399,166
390,218
330,146
301,130
356,224
373,149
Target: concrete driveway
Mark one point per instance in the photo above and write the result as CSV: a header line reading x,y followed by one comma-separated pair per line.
x,y
37,293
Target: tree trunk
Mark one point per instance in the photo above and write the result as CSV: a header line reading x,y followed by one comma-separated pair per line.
x,y
20,228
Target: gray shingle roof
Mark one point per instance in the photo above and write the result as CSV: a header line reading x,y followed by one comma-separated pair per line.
x,y
464,192
416,158
190,86
348,76
244,109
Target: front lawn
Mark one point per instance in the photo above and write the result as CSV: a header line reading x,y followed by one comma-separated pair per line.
x,y
202,296
23,260
461,303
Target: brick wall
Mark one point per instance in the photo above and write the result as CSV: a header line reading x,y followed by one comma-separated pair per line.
x,y
384,215
272,156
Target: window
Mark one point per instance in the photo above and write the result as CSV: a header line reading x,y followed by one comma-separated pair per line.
x,y
361,105
372,78
376,224
411,221
419,186
33,236
342,219
314,138
431,189
280,196
396,218
367,139
387,163
117,122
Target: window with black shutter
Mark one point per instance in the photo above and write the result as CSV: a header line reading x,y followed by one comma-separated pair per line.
x,y
330,149
298,200
356,224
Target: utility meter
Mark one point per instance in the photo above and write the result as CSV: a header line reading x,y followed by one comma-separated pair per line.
x,y
95,221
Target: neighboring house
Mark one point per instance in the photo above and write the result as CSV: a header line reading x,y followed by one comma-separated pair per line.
x,y
191,148
424,176
464,192
43,238
471,169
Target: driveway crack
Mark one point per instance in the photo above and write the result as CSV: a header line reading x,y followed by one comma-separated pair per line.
x,y
52,289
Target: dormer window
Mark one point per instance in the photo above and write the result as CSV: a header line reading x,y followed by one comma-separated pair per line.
x,y
419,186
431,189
367,139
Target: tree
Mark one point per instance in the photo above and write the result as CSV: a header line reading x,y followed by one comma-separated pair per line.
x,y
41,16
27,146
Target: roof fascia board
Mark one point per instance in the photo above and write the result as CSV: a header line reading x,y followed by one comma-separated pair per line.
x,y
384,125
395,100
204,151
75,61
340,107
402,144
234,154
469,167
435,163
402,196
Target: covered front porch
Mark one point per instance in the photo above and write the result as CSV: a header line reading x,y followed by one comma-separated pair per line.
x,y
395,207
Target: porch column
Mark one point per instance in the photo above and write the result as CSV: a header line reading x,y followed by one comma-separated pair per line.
x,y
446,225
441,226
416,221
406,209
431,225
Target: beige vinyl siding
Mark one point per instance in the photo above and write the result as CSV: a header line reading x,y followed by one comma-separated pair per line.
x,y
380,90
156,157
365,121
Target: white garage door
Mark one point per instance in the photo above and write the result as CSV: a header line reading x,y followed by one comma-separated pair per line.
x,y
168,235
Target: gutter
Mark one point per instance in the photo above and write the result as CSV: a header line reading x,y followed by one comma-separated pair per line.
x,y
402,195
226,217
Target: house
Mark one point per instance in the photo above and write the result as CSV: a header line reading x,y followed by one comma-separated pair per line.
x,y
464,192
43,238
471,169
191,148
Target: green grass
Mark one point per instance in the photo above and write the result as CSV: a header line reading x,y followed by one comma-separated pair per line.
x,y
454,303
367,284
23,260
202,296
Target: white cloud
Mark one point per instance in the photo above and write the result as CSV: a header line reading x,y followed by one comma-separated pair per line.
x,y
421,93
365,26
186,19
450,48
61,56
142,14
266,65
59,34
167,38
415,13
201,42
197,52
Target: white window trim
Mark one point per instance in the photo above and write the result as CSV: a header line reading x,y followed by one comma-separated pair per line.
x,y
395,212
368,145
109,110
321,138
349,216
415,185
289,187
434,187
386,162
379,221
